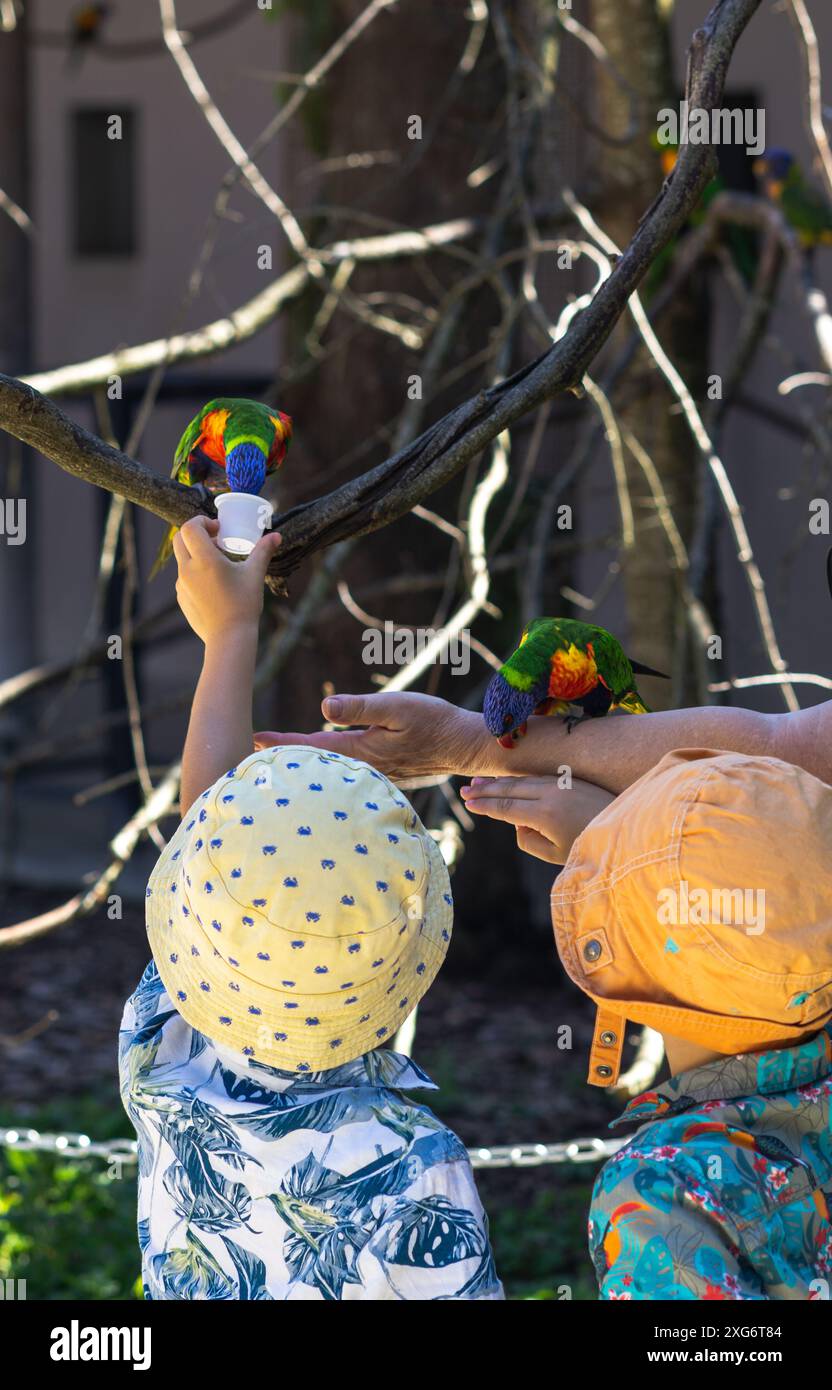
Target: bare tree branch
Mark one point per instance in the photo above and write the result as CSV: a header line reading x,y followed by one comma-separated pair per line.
x,y
13,210
250,318
391,489
800,17
258,184
694,421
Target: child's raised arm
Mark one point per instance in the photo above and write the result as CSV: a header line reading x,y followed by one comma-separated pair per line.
x,y
222,600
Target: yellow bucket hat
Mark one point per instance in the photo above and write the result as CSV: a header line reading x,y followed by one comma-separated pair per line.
x,y
698,903
300,911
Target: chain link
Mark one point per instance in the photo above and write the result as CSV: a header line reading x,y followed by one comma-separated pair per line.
x,y
69,1145
124,1151
532,1155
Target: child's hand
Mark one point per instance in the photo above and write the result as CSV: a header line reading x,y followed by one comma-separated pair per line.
x,y
548,817
218,595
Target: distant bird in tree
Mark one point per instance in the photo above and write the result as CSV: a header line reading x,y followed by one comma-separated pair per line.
x,y
85,24
562,662
741,242
232,445
804,207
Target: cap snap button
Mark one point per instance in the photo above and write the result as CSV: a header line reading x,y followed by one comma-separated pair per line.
x,y
592,950
609,1039
604,1071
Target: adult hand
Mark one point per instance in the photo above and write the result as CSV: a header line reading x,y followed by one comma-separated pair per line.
x,y
218,595
548,818
407,735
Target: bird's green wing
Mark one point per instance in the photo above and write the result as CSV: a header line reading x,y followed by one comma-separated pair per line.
x,y
612,661
807,210
529,663
200,454
186,444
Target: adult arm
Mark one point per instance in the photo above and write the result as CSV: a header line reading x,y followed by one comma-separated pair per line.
x,y
408,736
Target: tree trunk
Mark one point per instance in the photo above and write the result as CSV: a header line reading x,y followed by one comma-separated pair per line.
x,y
399,70
635,34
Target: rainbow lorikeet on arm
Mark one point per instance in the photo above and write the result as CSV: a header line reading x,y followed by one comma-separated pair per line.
x,y
562,662
232,445
804,207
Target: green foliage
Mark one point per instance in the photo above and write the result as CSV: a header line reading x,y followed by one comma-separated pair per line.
x,y
67,1226
540,1249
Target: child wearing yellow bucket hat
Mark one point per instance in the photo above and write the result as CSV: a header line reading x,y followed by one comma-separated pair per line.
x,y
296,917
698,902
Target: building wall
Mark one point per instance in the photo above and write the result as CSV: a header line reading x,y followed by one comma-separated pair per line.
x,y
86,306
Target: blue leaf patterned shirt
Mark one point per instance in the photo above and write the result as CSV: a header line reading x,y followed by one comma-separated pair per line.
x,y
255,1183
724,1192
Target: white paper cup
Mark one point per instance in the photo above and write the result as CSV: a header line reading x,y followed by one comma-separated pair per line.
x,y
243,518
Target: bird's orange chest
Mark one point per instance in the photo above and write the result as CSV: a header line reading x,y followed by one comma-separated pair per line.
x,y
572,673
211,440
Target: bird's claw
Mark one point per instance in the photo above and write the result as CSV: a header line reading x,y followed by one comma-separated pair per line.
x,y
205,497
571,720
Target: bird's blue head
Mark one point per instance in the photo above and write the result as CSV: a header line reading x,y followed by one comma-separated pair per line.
x,y
775,164
505,709
245,468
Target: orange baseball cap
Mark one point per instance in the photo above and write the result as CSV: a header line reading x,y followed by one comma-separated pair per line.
x,y
699,903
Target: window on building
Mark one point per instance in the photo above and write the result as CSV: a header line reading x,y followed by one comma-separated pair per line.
x,y
103,172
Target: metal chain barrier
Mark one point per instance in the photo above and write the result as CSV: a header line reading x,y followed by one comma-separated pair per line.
x,y
124,1151
532,1155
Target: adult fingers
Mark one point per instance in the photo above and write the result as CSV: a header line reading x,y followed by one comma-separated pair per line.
x,y
513,810
517,788
383,711
503,808
532,842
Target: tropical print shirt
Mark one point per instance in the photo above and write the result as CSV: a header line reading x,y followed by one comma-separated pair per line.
x,y
255,1183
724,1192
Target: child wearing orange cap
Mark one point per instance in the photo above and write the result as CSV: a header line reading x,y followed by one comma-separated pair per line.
x,y
697,902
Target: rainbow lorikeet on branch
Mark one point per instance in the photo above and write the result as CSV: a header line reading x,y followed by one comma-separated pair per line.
x,y
741,242
562,662
232,445
804,207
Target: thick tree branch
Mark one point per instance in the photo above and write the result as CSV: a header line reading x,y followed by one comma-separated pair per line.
x,y
394,487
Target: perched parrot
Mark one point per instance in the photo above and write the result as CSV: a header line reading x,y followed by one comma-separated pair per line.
x,y
231,446
741,242
803,206
561,662
85,24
